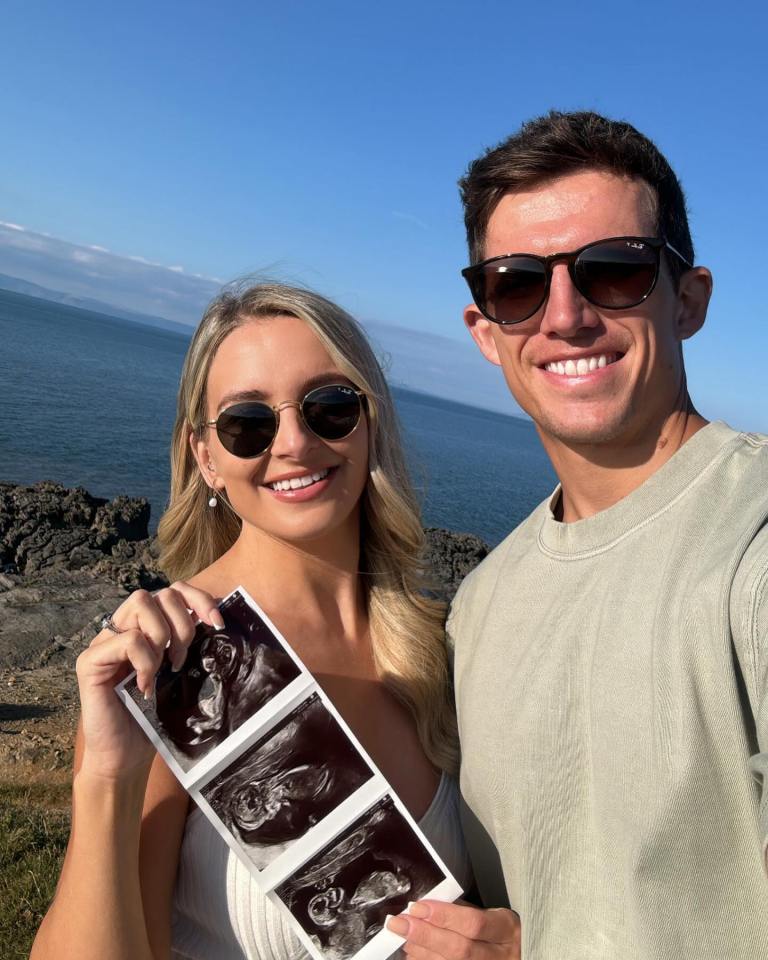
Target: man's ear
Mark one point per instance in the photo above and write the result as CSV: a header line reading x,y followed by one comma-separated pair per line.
x,y
482,333
693,297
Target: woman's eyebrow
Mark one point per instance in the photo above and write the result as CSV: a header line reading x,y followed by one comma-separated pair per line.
x,y
319,380
238,396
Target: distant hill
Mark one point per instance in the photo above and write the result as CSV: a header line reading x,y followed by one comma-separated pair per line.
x,y
29,289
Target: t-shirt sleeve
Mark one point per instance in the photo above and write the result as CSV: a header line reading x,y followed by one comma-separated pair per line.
x,y
749,622
453,625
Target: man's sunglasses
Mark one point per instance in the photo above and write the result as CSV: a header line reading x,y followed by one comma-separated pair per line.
x,y
248,429
614,274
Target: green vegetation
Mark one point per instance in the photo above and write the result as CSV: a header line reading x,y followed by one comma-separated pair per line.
x,y
34,826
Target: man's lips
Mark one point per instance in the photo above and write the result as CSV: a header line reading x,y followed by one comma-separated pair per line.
x,y
580,364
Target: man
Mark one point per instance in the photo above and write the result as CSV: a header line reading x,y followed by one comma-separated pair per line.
x,y
611,654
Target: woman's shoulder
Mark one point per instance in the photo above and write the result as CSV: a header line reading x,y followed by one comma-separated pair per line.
x,y
218,579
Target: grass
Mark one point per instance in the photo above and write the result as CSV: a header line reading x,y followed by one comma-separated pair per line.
x,y
34,827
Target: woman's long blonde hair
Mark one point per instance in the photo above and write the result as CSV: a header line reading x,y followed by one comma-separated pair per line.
x,y
406,624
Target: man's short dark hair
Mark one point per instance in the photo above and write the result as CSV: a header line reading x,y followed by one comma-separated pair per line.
x,y
561,143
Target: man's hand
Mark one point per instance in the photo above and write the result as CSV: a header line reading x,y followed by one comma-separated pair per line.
x,y
452,931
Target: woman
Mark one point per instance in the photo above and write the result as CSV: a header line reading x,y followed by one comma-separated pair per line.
x,y
288,478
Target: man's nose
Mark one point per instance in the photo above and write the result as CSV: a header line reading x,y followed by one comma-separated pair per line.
x,y
293,437
566,311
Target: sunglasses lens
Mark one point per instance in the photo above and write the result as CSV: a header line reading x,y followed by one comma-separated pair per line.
x,y
246,429
331,412
511,289
616,274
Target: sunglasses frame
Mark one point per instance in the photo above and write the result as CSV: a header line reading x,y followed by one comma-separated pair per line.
x,y
656,243
299,404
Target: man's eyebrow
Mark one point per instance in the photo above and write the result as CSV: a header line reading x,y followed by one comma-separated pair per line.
x,y
319,380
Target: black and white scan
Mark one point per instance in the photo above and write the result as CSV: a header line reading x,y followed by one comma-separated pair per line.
x,y
228,676
287,781
342,896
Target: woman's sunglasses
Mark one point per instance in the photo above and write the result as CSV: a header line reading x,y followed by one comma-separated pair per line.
x,y
614,274
248,429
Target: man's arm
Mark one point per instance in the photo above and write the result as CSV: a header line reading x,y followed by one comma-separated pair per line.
x,y
749,625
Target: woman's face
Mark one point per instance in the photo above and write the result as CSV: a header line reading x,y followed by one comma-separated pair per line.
x,y
273,360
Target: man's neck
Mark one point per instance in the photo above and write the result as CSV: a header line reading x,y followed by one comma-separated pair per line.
x,y
596,476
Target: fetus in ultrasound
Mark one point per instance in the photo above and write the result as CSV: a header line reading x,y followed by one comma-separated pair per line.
x,y
228,675
342,896
287,781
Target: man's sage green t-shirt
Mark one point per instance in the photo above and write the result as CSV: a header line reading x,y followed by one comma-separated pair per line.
x,y
612,695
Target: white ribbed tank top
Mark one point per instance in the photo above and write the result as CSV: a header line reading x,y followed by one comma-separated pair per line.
x,y
219,913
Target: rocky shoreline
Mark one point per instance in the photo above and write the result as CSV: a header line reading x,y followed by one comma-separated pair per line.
x,y
66,558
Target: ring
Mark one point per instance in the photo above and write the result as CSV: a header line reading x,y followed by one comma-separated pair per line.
x,y
107,623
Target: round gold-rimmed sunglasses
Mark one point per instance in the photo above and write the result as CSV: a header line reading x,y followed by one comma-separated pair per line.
x,y
615,274
248,429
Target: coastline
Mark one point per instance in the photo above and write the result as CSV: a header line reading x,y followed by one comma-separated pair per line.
x,y
66,559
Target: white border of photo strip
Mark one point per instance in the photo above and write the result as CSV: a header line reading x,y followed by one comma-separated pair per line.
x,y
384,943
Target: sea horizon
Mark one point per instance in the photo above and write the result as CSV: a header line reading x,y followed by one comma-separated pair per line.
x,y
95,409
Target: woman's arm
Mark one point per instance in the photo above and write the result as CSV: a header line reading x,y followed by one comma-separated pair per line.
x,y
114,895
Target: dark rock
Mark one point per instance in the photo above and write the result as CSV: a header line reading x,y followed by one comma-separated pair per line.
x,y
67,558
451,556
45,617
48,527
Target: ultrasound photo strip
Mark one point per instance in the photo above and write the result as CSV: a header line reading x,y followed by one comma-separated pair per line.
x,y
286,784
231,682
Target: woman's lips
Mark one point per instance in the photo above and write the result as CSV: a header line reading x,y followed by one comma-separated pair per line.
x,y
301,494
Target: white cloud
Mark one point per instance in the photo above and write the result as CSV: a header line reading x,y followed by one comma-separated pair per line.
x,y
416,359
410,218
11,226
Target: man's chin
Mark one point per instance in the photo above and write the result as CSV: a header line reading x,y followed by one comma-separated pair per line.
x,y
583,431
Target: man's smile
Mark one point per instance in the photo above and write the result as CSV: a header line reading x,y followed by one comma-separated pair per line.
x,y
580,366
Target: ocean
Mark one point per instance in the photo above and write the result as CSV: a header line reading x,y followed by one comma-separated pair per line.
x,y
89,400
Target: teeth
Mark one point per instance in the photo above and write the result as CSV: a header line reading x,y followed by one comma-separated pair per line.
x,y
296,483
582,366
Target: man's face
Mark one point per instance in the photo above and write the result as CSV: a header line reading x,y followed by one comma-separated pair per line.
x,y
641,380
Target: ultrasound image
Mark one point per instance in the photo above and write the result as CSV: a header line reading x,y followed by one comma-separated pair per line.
x,y
342,896
287,781
228,675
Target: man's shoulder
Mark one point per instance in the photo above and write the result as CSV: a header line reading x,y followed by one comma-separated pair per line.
x,y
481,581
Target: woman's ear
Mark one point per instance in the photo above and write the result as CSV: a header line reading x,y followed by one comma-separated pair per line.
x,y
205,463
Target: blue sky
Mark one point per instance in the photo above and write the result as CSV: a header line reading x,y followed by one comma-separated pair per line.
x,y
321,142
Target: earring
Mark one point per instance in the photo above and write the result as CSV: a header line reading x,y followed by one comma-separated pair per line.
x,y
212,502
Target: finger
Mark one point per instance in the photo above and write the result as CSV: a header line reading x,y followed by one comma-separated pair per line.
x,y
437,941
130,648
181,623
201,603
492,926
140,611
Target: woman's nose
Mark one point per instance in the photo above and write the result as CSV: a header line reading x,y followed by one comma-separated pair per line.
x,y
293,436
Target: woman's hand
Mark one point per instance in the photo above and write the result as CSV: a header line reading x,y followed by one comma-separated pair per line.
x,y
452,931
148,625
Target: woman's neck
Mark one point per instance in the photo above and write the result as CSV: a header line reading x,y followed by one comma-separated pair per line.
x,y
312,584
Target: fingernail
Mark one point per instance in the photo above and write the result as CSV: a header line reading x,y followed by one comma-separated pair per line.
x,y
217,620
150,691
398,925
178,661
419,910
